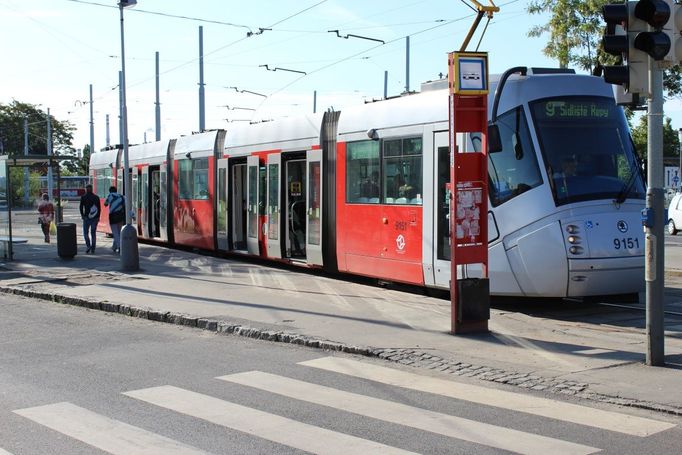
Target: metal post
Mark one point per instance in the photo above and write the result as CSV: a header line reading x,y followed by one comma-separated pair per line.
x,y
654,235
49,153
92,124
129,252
407,64
158,102
679,172
202,95
26,172
108,137
385,84
314,101
120,108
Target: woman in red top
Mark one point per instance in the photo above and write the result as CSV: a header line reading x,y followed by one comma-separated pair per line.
x,y
46,216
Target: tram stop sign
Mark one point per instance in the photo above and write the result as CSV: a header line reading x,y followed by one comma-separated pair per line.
x,y
470,297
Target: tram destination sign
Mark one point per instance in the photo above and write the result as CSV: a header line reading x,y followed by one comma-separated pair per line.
x,y
573,109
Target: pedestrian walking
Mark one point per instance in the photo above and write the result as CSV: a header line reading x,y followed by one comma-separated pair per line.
x,y
45,216
116,204
90,210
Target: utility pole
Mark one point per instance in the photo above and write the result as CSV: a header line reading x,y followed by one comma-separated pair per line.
x,y
314,101
407,64
679,150
49,154
92,124
158,102
654,233
108,137
202,94
26,172
120,109
385,84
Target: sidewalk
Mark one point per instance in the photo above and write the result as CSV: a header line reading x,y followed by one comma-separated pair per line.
x,y
600,358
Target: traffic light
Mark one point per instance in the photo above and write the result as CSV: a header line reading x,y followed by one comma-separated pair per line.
x,y
622,26
628,35
672,28
656,13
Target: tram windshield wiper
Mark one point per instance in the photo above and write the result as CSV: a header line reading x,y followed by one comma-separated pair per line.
x,y
627,187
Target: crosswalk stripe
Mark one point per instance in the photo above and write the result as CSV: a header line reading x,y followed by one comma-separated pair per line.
x,y
107,434
568,412
258,423
4,452
422,419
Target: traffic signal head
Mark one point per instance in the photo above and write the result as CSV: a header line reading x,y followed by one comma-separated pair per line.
x,y
656,13
622,28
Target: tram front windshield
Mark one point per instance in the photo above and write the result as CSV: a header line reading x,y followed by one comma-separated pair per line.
x,y
587,149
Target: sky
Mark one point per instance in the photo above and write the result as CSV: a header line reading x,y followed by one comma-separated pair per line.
x,y
54,49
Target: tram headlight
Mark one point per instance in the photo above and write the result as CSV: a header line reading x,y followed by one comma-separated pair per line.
x,y
574,239
571,228
576,250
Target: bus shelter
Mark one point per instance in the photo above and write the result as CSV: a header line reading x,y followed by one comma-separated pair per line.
x,y
6,192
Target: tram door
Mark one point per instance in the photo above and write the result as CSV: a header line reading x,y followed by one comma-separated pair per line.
x,y
296,209
239,207
144,203
314,208
221,207
155,201
252,205
163,203
274,244
135,204
441,244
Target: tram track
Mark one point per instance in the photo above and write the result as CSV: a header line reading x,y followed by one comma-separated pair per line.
x,y
638,308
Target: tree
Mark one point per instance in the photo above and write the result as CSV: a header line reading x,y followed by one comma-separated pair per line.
x,y
575,29
671,143
12,131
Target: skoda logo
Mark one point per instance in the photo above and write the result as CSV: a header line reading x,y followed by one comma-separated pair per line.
x,y
622,226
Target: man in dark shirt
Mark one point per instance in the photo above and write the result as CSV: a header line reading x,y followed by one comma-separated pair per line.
x,y
90,209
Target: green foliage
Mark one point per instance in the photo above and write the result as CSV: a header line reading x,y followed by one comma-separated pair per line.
x,y
575,31
671,143
17,182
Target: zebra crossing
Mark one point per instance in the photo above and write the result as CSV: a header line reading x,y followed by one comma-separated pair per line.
x,y
117,437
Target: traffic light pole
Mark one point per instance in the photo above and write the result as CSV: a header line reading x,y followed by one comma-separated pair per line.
x,y
654,231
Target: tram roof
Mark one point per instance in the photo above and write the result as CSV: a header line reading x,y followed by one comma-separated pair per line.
x,y
283,133
198,145
151,152
104,158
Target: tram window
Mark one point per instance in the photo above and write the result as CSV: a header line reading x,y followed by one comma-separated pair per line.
x,y
262,182
103,180
193,178
514,170
587,150
362,172
402,171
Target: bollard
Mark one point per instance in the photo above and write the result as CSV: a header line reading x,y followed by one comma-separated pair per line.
x,y
66,240
130,258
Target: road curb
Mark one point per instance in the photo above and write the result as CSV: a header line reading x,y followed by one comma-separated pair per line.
x,y
410,357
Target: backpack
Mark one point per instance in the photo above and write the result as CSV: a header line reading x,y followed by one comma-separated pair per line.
x,y
116,209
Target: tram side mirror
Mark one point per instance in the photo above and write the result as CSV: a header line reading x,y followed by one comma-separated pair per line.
x,y
494,140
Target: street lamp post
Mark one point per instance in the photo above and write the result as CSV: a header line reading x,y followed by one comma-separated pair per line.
x,y
130,259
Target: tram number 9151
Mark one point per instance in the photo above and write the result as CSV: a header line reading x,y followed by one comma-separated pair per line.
x,y
626,243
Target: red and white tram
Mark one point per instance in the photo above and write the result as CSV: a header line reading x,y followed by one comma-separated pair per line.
x,y
365,191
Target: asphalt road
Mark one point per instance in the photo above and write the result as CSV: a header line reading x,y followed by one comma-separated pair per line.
x,y
73,379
